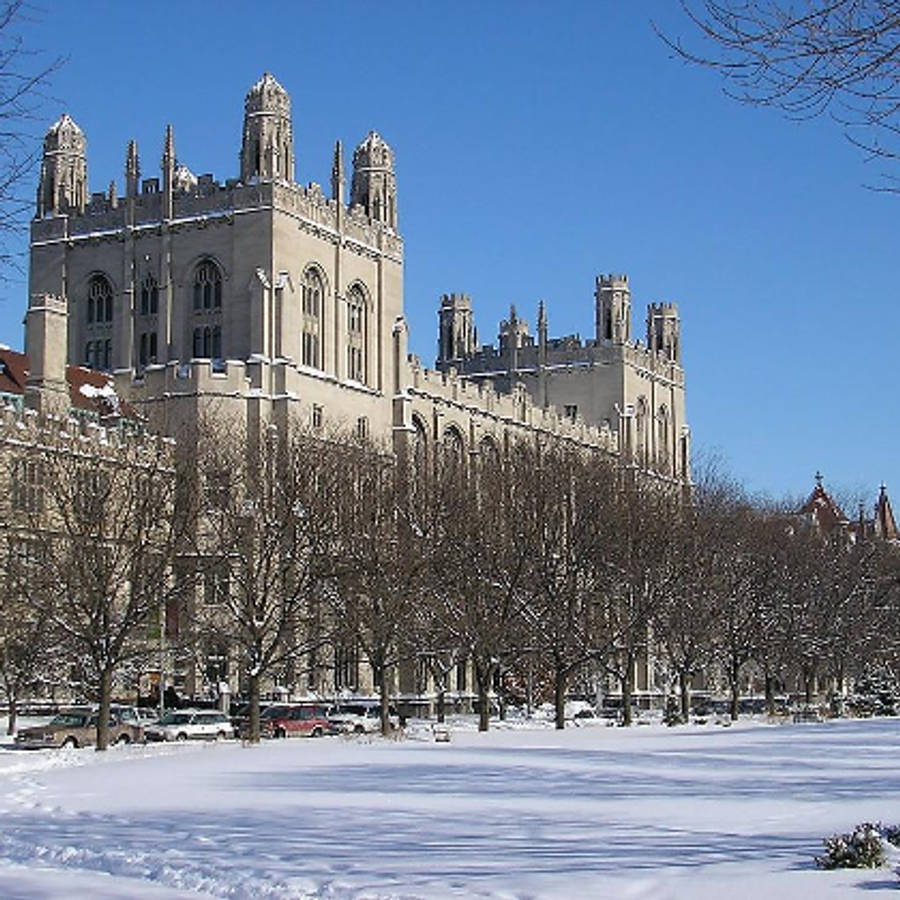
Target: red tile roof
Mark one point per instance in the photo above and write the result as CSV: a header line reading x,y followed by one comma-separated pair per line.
x,y
14,369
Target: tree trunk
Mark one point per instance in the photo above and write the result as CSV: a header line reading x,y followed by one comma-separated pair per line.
x,y
626,696
684,690
484,713
103,713
254,734
770,694
440,704
559,696
735,691
12,714
383,697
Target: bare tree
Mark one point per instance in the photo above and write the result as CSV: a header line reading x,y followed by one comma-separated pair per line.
x,y
569,490
386,531
265,540
109,524
806,58
25,75
27,645
637,568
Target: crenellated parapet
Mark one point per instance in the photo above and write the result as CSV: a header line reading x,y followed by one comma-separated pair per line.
x,y
514,410
27,429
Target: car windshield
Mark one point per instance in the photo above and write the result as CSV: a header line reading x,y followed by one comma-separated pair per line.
x,y
69,720
175,718
274,712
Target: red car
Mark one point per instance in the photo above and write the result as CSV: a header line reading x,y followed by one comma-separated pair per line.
x,y
296,720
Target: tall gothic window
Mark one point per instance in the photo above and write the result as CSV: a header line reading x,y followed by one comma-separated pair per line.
x,y
99,301
206,340
357,332
642,436
149,302
207,286
98,327
312,300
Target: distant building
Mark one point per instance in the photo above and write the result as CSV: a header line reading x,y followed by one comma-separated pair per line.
x,y
823,513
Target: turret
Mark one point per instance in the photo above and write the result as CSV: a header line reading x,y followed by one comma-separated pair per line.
x,y
374,185
612,298
664,331
63,187
267,150
457,338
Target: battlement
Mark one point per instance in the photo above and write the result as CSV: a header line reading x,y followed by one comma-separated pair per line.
x,y
664,308
210,199
456,301
28,428
516,409
612,280
198,376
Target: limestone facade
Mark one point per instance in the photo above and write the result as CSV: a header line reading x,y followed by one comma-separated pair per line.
x,y
276,301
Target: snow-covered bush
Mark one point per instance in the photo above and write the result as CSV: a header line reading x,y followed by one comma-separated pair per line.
x,y
862,848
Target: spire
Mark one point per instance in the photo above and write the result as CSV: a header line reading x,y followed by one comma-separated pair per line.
x,y
168,170
132,170
542,324
338,179
885,524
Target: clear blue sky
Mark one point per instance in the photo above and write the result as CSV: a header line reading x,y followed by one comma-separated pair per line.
x,y
536,145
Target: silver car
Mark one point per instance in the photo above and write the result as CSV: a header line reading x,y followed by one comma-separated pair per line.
x,y
191,724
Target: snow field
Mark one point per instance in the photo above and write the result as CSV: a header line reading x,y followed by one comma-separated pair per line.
x,y
646,813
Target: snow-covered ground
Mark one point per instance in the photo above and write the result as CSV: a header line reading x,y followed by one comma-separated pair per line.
x,y
594,812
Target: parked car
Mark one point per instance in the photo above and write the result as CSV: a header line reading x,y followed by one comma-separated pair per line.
x,y
296,720
360,718
240,718
78,728
191,724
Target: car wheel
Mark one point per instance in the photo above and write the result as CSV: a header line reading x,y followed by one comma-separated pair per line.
x,y
70,742
359,730
220,736
280,733
123,739
317,732
181,737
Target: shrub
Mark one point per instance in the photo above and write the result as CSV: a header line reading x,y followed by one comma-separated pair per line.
x,y
862,848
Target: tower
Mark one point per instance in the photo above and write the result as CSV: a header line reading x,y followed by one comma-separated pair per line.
x,y
374,186
267,150
664,331
457,337
63,186
612,308
46,325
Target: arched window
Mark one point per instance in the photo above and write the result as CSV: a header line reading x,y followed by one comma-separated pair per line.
x,y
149,304
641,432
98,326
207,287
453,453
419,450
312,299
99,301
662,444
357,334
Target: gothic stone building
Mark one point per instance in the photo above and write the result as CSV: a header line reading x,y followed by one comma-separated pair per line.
x,y
272,300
